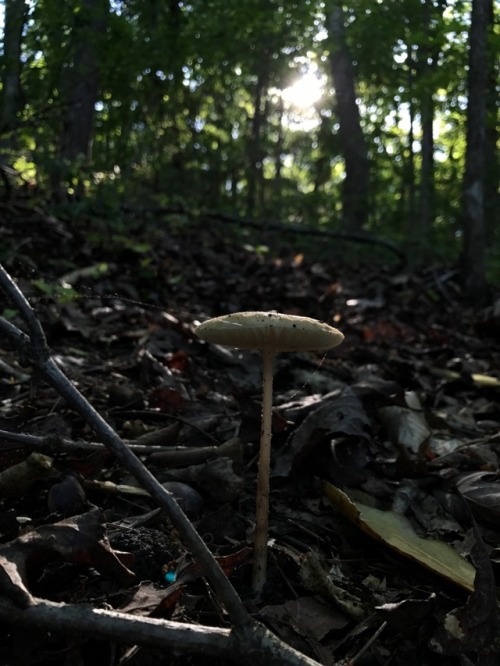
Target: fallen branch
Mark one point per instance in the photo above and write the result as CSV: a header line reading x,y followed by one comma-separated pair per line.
x,y
362,237
253,645
127,629
266,225
171,456
252,641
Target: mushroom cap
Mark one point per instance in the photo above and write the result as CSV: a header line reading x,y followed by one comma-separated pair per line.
x,y
269,330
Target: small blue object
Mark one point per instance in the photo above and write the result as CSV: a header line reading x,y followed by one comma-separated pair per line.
x,y
170,576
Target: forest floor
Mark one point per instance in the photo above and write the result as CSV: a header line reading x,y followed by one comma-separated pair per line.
x,y
385,450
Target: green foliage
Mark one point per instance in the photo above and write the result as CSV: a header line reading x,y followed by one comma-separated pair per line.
x,y
60,293
9,313
175,118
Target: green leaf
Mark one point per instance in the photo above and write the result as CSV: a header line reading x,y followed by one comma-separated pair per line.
x,y
9,313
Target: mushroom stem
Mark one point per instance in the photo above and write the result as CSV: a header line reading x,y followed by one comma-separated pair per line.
x,y
259,574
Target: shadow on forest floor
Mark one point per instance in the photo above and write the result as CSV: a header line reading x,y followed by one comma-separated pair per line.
x,y
403,417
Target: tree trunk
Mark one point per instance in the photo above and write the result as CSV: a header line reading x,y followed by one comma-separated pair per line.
x,y
410,167
280,142
321,167
431,13
277,190
492,163
355,192
81,88
427,167
474,242
254,149
15,17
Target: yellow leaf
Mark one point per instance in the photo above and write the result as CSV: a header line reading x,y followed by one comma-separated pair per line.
x,y
478,379
396,531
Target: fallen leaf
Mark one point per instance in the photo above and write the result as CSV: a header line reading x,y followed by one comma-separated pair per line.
x,y
17,479
152,601
166,400
396,531
79,540
485,381
339,413
310,616
482,492
408,616
406,426
474,627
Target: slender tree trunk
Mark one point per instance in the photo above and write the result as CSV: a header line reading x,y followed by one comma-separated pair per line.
x,y
254,149
321,167
261,181
426,213
14,20
82,86
278,162
280,141
357,169
411,184
427,63
492,162
171,56
474,240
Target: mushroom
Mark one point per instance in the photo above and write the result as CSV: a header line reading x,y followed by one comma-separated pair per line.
x,y
271,332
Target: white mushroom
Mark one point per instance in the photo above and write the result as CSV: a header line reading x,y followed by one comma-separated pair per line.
x,y
271,332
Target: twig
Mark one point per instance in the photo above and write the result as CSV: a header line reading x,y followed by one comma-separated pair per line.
x,y
368,644
171,455
144,413
252,645
50,443
121,627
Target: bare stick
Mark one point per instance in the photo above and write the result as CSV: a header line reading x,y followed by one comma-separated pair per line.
x,y
252,645
172,455
128,629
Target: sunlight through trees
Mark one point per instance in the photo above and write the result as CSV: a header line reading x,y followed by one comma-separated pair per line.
x,y
350,115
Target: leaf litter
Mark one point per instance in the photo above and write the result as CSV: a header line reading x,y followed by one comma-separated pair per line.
x,y
403,417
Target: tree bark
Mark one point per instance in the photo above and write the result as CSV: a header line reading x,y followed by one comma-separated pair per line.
x,y
82,87
321,167
15,17
277,185
410,167
254,149
355,192
431,12
474,238
426,212
492,163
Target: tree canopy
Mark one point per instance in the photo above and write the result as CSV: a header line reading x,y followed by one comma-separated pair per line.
x,y
349,116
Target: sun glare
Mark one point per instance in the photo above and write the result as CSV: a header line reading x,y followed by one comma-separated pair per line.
x,y
299,100
307,90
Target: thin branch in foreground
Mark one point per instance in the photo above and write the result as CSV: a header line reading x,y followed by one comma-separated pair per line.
x,y
253,645
171,456
128,629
